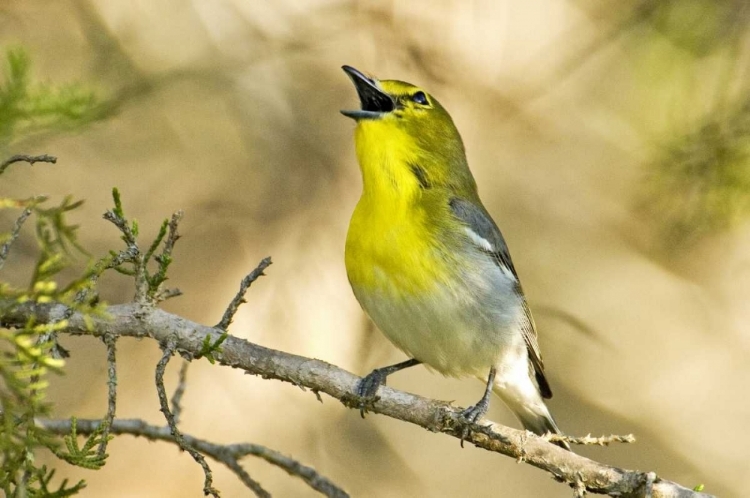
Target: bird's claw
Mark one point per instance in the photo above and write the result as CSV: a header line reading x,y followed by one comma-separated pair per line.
x,y
367,390
472,415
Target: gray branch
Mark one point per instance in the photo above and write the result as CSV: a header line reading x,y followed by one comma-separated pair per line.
x,y
179,392
229,454
132,320
44,158
111,343
177,436
239,298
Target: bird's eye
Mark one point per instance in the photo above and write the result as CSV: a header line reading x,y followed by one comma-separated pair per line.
x,y
420,98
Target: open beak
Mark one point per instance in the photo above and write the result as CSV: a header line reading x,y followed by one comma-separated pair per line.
x,y
374,101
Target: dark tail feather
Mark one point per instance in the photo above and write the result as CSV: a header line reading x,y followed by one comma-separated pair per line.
x,y
542,424
524,399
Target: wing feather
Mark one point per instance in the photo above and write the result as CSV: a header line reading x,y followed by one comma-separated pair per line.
x,y
485,234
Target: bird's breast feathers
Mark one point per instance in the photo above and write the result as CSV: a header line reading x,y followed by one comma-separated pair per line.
x,y
455,311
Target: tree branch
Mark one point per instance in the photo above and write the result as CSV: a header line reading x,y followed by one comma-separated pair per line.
x,y
176,400
208,489
45,158
229,454
132,320
239,298
111,343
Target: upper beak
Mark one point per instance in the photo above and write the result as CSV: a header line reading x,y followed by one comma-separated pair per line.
x,y
374,101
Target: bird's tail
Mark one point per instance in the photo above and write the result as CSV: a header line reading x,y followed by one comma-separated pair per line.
x,y
530,410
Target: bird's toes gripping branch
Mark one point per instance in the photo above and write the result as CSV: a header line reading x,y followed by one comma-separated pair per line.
x,y
369,385
474,413
367,390
471,416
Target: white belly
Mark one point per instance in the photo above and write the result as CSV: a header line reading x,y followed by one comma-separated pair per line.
x,y
462,326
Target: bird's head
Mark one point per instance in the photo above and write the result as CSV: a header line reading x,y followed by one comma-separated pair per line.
x,y
404,126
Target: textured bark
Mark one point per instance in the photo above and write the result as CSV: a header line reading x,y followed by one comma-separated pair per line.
x,y
132,320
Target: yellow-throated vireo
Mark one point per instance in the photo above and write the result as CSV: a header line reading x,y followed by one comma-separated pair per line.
x,y
427,262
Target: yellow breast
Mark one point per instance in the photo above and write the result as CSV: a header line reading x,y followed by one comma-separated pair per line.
x,y
389,249
392,242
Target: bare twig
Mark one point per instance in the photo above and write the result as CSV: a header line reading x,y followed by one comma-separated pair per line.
x,y
133,320
179,392
290,465
169,348
229,455
28,205
44,158
589,440
239,298
173,235
5,248
132,253
111,342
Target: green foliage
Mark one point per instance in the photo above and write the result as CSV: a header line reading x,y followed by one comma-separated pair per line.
x,y
39,485
28,108
695,96
208,348
133,262
87,456
698,26
31,353
700,182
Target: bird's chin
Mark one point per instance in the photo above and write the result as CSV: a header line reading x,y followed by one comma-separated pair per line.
x,y
362,114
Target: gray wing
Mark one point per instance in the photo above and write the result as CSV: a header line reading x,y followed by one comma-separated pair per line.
x,y
487,237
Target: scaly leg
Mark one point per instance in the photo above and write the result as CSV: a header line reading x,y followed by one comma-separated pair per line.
x,y
369,384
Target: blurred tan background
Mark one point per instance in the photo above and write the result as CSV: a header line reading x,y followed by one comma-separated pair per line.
x,y
573,113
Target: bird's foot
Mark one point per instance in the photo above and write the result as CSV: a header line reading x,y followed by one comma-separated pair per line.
x,y
367,389
472,415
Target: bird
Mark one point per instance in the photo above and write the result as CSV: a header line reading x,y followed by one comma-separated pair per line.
x,y
427,262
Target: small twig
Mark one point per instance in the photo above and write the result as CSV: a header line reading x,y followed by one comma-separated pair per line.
x,y
111,342
5,248
240,297
588,440
122,225
165,294
30,204
248,481
169,349
132,251
290,465
104,264
229,455
173,235
179,392
164,259
44,158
